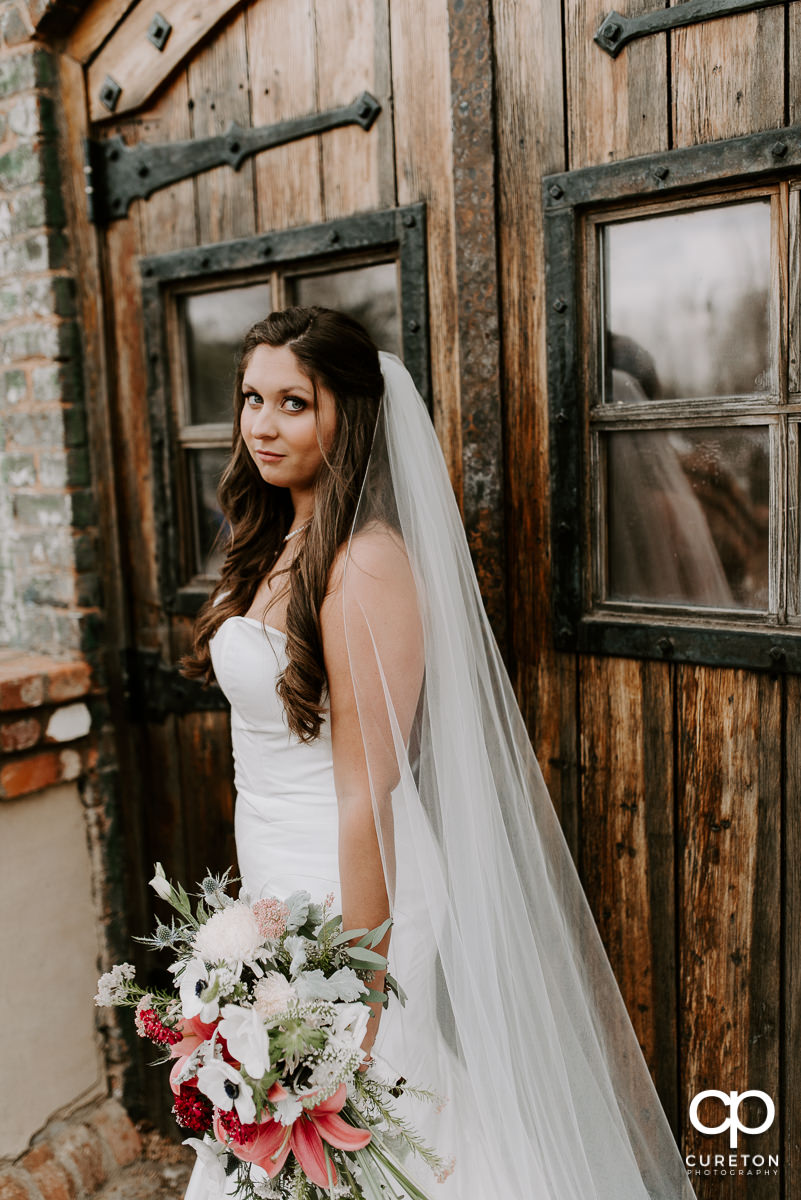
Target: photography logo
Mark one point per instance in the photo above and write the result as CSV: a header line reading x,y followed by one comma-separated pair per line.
x,y
736,1162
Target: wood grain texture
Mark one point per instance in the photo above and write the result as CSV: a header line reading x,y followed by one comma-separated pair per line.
x,y
617,108
168,217
95,25
219,92
728,77
530,143
423,154
729,898
628,844
790,1081
793,64
131,59
353,56
281,57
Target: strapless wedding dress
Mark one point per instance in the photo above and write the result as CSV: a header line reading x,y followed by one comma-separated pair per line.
x,y
286,828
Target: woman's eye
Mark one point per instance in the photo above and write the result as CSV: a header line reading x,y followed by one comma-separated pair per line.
x,y
295,400
252,399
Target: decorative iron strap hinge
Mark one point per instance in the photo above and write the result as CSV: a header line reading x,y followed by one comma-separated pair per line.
x,y
117,174
154,690
615,31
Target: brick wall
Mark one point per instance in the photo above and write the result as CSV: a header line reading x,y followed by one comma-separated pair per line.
x,y
49,589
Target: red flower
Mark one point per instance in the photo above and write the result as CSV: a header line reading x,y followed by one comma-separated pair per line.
x,y
192,1109
237,1132
150,1025
271,1146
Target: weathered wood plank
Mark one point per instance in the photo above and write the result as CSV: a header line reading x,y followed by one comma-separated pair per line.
x,y
281,56
138,66
530,144
95,25
729,898
168,217
219,93
352,56
790,1085
423,152
616,108
728,77
628,844
793,64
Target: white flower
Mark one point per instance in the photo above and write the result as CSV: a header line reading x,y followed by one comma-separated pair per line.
x,y
344,984
273,995
211,1160
247,1038
230,935
112,988
264,1188
297,948
199,991
226,1088
288,1109
349,1026
160,884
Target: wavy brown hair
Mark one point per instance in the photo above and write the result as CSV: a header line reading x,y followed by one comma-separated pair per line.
x,y
335,352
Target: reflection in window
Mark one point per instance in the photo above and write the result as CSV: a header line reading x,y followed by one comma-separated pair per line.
x,y
370,294
214,324
206,468
688,516
687,292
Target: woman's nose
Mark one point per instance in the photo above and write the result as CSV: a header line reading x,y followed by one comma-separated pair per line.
x,y
264,424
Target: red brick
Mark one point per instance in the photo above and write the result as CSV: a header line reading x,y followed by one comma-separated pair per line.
x,y
118,1132
30,774
79,1149
49,1176
20,734
65,681
21,691
15,1186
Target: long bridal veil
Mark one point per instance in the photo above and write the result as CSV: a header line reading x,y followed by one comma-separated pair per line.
x,y
513,1010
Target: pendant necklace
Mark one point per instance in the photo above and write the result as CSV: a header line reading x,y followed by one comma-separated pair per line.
x,y
292,533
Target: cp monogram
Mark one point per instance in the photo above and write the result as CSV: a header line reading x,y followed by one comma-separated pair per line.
x,y
732,1100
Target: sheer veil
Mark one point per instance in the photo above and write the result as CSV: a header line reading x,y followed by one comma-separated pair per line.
x,y
513,1013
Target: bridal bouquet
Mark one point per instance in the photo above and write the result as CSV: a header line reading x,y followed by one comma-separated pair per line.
x,y
265,1036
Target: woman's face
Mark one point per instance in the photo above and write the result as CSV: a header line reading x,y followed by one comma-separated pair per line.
x,y
278,420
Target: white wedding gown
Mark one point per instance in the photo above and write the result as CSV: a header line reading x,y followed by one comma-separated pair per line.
x,y
286,829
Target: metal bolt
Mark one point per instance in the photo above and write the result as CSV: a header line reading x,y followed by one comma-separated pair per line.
x,y
143,171
665,644
205,261
776,654
333,237
233,147
565,632
266,249
661,172
559,305
113,155
611,31
110,93
778,149
555,191
409,220
564,528
562,417
414,325
158,31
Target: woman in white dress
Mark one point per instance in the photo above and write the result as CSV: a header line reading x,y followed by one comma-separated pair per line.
x,y
380,755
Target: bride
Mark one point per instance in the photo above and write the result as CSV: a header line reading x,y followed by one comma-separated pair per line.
x,y
380,755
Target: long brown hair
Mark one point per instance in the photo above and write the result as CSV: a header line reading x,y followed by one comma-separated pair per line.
x,y
335,352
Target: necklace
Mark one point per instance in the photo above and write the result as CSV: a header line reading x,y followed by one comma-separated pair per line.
x,y
293,532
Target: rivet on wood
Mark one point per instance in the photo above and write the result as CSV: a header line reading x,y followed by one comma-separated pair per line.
x,y
778,149
333,237
560,305
555,191
158,31
414,325
776,654
562,417
409,220
665,644
110,92
565,631
661,172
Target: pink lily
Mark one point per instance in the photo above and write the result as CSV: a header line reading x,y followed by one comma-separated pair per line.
x,y
272,1144
194,1032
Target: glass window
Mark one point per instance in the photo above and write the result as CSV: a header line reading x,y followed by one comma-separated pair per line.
x,y
368,293
214,324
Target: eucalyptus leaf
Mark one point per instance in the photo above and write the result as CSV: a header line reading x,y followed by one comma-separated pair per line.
x,y
347,935
366,958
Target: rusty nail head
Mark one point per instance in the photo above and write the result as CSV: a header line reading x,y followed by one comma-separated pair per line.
x,y
414,325
611,31
555,191
665,644
778,149
661,172
776,654
560,305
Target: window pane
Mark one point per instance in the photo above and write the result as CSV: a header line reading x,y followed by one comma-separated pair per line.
x,y
368,293
214,324
687,514
205,469
686,308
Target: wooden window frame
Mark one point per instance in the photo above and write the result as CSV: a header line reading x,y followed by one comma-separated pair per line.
x,y
396,234
575,202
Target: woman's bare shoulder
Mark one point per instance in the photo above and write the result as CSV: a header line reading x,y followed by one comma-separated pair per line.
x,y
375,553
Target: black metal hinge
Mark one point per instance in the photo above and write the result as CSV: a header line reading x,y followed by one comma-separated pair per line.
x,y
616,31
117,174
154,690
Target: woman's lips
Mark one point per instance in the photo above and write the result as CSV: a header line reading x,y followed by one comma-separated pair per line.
x,y
269,455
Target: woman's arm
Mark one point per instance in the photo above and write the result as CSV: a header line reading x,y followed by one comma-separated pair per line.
x,y
378,620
